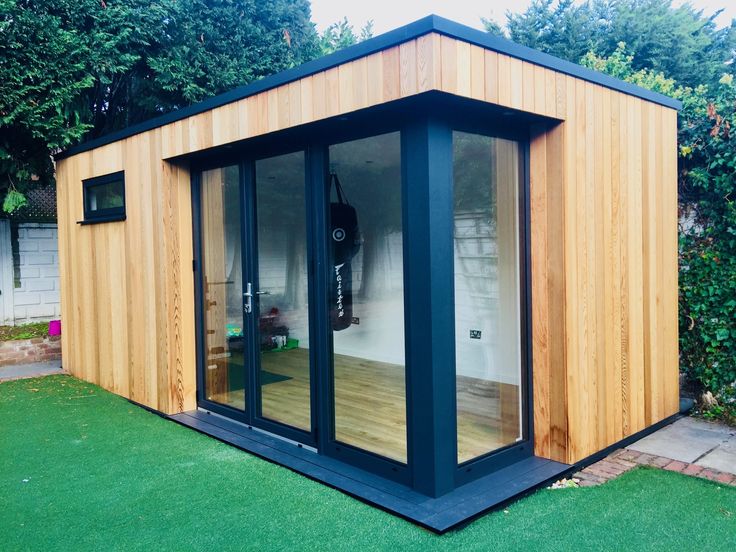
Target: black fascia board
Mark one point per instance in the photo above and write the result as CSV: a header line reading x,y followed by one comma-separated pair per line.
x,y
429,24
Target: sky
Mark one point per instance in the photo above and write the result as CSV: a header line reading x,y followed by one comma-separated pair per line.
x,y
389,14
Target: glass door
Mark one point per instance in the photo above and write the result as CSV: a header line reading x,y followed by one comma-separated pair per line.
x,y
222,289
279,288
367,297
255,311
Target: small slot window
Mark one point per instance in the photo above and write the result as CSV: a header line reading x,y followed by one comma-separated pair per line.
x,y
104,198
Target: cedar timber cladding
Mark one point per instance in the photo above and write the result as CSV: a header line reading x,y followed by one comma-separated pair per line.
x,y
603,223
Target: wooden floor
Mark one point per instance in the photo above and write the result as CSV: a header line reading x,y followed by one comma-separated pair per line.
x,y
370,405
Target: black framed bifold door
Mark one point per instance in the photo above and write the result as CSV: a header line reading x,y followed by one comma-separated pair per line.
x,y
256,364
367,294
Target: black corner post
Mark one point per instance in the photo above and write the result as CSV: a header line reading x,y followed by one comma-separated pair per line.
x,y
429,285
318,199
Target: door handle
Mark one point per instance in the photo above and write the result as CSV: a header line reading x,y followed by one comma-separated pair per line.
x,y
263,293
248,296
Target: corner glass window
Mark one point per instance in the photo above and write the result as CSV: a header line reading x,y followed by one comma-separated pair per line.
x,y
487,294
104,198
367,295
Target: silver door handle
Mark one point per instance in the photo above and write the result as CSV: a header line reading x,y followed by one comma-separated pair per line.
x,y
263,293
248,295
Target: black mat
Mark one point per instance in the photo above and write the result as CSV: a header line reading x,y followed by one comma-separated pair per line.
x,y
438,514
270,377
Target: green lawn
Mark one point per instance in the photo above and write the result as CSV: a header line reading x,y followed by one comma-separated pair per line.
x,y
81,469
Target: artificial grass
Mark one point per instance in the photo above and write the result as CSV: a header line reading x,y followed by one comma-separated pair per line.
x,y
82,469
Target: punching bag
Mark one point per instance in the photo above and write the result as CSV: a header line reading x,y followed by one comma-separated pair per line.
x,y
345,241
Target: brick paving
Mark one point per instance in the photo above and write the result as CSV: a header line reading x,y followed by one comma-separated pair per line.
x,y
624,460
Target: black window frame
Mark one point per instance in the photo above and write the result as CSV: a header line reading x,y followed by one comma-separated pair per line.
x,y
111,214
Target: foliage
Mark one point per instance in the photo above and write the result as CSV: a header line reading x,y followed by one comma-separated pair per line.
x,y
707,242
80,68
563,29
679,41
341,34
14,201
24,331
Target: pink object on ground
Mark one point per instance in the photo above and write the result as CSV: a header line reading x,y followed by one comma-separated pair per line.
x,y
55,327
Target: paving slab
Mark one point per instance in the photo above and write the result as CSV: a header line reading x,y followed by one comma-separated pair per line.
x,y
35,369
722,458
687,440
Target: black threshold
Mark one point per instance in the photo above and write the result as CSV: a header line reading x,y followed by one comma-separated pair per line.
x,y
437,514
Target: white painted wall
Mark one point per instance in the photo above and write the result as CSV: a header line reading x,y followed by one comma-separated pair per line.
x,y
6,275
37,298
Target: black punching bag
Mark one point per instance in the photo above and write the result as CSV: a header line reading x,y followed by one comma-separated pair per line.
x,y
345,240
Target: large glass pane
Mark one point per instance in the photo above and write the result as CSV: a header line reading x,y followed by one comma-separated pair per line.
x,y
367,295
223,287
487,318
282,295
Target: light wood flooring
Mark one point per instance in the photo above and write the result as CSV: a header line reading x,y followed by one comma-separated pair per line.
x,y
370,411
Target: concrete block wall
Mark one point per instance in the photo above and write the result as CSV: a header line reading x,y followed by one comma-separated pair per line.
x,y
37,298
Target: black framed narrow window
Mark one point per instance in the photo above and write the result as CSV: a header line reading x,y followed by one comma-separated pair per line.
x,y
104,198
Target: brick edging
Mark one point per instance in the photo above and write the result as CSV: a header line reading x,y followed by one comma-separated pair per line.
x,y
27,351
624,460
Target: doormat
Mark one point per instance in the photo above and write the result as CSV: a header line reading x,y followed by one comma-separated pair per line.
x,y
270,377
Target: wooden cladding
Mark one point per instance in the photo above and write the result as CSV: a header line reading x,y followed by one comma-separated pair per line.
x,y
604,271
127,290
430,62
603,237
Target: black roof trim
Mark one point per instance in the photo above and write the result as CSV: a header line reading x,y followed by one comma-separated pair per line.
x,y
431,23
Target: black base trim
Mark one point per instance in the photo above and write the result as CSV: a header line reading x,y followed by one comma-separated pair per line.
x,y
623,443
439,515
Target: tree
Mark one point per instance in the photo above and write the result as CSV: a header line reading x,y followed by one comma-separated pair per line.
x,y
341,34
680,41
81,68
562,28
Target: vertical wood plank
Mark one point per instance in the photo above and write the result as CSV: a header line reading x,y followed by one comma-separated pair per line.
x,y
592,243
477,73
374,84
332,92
504,80
491,76
282,110
557,291
463,68
550,93
448,51
528,87
391,74
272,109
360,83
636,263
670,362
408,69
516,72
429,70
561,82
345,77
538,209
306,100
615,214
295,103
319,96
